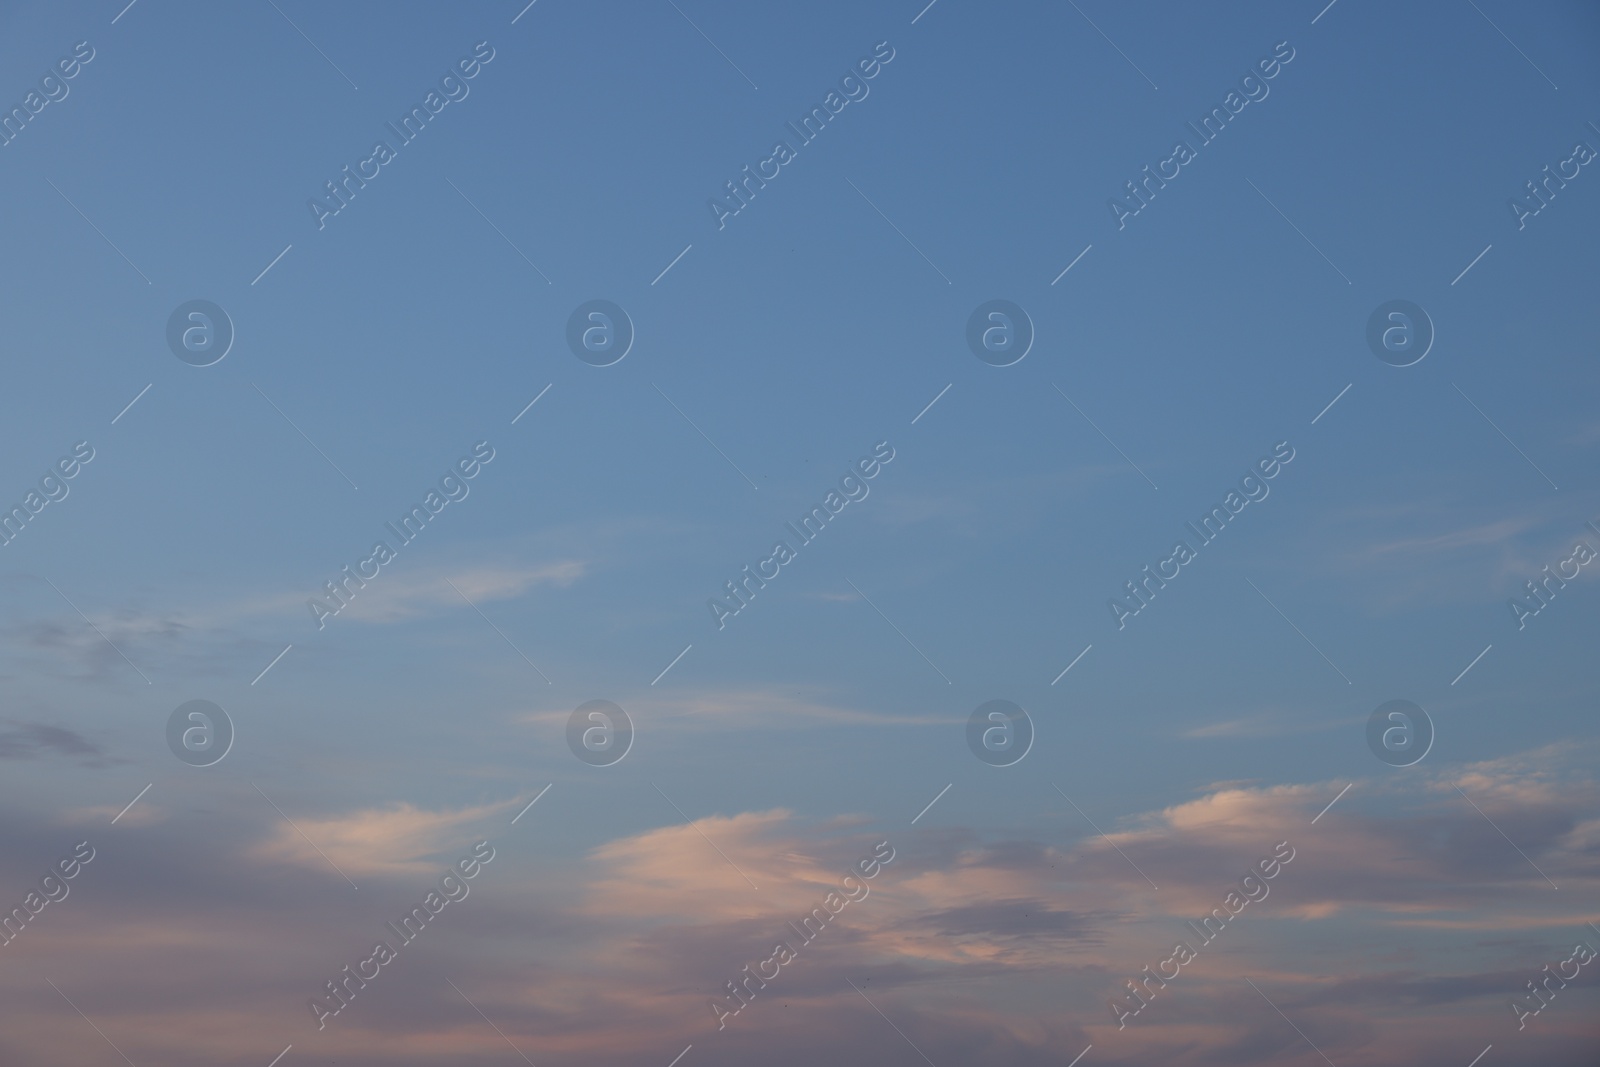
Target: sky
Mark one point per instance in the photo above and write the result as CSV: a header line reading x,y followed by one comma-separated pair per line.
x,y
1216,337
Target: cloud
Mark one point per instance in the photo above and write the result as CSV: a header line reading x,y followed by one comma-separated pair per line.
x,y
398,840
412,595
37,740
399,594
750,709
1498,532
1267,724
985,949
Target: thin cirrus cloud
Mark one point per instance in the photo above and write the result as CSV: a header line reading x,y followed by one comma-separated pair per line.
x,y
751,708
96,650
429,591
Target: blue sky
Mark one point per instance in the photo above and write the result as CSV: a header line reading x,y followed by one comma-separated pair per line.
x,y
821,320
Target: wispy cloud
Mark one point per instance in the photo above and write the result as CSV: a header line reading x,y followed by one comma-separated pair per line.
x,y
401,839
37,740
